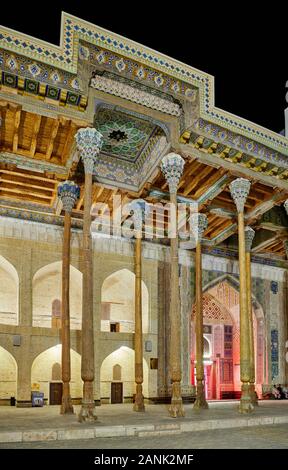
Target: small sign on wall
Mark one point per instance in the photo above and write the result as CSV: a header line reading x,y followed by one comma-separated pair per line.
x,y
16,340
148,346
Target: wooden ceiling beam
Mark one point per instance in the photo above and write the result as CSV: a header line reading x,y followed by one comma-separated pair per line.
x,y
24,192
28,175
54,132
210,182
29,185
15,138
68,144
220,229
36,128
195,180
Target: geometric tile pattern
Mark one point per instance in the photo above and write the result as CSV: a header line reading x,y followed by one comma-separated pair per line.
x,y
124,136
213,311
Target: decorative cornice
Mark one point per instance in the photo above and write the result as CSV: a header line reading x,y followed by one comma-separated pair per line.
x,y
65,57
114,87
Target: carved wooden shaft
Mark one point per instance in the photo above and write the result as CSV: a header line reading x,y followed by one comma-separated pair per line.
x,y
176,407
138,338
87,363
66,406
251,331
245,364
200,399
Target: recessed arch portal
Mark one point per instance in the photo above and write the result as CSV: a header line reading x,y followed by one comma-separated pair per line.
x,y
124,358
46,369
118,302
9,288
222,330
47,284
8,375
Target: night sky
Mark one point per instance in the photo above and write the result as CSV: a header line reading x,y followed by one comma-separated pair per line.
x,y
246,51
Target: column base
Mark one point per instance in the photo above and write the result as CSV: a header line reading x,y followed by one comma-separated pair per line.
x,y
87,412
200,402
246,405
253,394
176,409
139,407
66,406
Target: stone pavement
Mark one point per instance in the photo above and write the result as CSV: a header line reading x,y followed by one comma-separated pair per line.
x,y
261,437
46,424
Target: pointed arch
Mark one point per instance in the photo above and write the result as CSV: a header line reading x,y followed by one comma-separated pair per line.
x,y
47,283
8,375
118,302
234,282
9,293
47,363
125,358
221,317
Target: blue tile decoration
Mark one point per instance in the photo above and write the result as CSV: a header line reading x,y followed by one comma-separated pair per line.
x,y
65,58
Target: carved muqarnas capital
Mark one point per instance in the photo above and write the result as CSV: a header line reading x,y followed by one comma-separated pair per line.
x,y
239,189
198,224
139,208
249,237
172,168
68,192
89,142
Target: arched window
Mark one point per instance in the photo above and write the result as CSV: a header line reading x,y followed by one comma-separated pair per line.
x,y
117,372
56,314
56,371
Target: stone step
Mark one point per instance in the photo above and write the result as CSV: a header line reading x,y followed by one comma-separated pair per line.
x,y
140,430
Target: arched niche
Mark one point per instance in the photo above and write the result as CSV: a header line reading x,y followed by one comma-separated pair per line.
x,y
47,284
118,303
9,293
221,319
8,375
123,358
46,368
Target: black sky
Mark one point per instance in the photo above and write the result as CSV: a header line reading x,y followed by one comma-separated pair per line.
x,y
246,50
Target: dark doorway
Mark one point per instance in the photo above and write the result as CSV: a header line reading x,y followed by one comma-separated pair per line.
x,y
56,389
116,392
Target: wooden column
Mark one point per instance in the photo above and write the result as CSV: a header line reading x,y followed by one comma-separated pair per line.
x,y
200,401
89,144
249,236
138,337
172,168
68,192
66,406
239,191
176,407
198,225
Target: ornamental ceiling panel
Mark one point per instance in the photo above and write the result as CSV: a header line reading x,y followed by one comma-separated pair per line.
x,y
124,136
